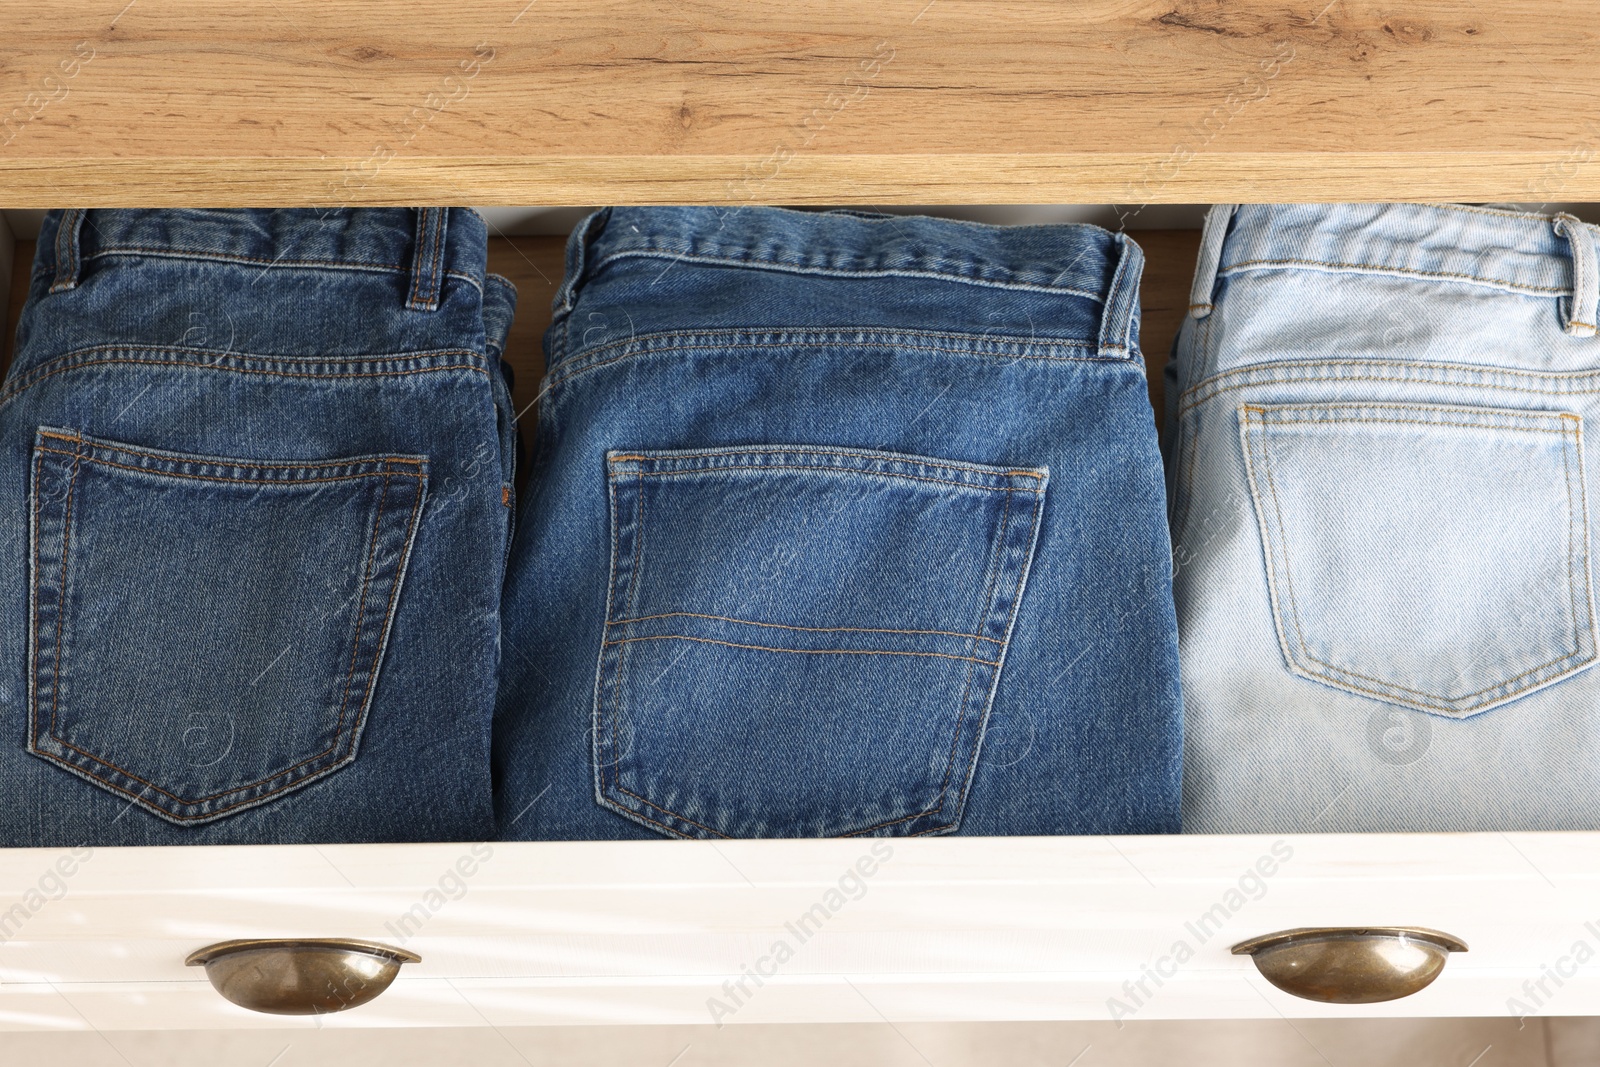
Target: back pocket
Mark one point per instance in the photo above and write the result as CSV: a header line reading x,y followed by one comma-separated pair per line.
x,y
804,642
205,633
1428,556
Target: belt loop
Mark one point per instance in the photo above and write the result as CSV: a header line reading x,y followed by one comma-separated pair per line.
x,y
1119,321
1210,258
427,261
577,256
68,254
1578,312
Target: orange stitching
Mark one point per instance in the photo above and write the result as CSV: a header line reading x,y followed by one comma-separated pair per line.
x,y
424,240
238,481
1572,591
388,615
611,593
1447,412
1211,389
1583,497
24,386
61,598
252,785
158,789
675,815
785,626
893,822
1016,600
126,346
1412,422
1438,702
985,606
213,461
841,470
801,450
1388,269
800,651
559,379
361,611
33,709
189,253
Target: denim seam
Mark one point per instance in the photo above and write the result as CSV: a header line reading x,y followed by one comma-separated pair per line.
x,y
24,384
836,470
1410,422
231,481
1439,702
564,372
809,629
1299,628
1400,367
985,608
251,465
809,336
354,265
361,611
603,677
1572,559
612,480
1580,520
279,774
1391,270
1203,350
61,601
61,616
798,651
803,450
840,272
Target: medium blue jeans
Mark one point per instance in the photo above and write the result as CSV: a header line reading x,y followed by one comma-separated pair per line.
x,y
254,509
840,524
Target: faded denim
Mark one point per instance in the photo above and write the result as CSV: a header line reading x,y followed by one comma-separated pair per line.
x,y
840,524
253,520
1380,510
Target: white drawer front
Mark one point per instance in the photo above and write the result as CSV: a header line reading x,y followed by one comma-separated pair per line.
x,y
798,931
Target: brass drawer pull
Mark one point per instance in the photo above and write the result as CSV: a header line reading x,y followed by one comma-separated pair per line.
x,y
1351,965
301,976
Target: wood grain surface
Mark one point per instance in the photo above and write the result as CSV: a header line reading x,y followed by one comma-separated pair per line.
x,y
317,102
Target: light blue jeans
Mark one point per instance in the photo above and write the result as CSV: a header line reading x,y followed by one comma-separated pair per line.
x,y
1381,530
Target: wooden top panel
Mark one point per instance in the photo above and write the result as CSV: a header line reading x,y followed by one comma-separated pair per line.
x,y
311,102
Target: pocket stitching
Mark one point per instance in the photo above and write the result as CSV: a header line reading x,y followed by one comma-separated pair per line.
x,y
837,470
807,629
1254,429
61,616
619,670
985,606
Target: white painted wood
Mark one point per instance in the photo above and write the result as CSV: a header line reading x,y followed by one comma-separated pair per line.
x,y
959,929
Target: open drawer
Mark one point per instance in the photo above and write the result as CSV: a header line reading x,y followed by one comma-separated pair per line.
x,y
978,929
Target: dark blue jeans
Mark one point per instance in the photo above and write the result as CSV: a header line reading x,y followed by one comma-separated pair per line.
x,y
254,502
840,525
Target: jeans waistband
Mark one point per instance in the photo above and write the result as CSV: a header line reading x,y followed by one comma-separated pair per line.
x,y
428,244
1540,255
1073,260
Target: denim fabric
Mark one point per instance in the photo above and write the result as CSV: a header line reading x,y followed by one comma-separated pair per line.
x,y
254,508
840,524
1379,491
